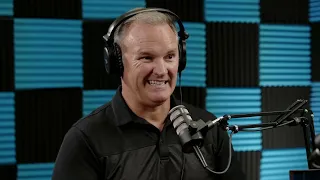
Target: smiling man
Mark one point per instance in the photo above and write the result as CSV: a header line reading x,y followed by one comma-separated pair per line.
x,y
131,137
151,60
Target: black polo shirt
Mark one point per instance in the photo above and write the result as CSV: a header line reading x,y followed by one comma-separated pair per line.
x,y
113,143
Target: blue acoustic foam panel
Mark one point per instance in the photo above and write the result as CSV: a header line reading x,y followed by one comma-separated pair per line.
x,y
48,53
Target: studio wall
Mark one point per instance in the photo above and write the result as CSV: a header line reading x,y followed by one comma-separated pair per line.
x,y
242,56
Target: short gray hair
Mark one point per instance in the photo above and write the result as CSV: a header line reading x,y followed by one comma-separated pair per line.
x,y
150,17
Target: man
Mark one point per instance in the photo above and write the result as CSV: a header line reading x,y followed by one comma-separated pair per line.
x,y
132,137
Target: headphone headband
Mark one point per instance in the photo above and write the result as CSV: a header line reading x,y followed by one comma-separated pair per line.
x,y
112,51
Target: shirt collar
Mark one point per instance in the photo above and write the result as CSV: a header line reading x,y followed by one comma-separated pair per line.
x,y
123,113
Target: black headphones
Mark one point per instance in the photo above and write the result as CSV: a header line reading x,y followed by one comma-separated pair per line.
x,y
112,51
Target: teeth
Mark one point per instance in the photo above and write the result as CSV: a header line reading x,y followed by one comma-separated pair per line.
x,y
157,83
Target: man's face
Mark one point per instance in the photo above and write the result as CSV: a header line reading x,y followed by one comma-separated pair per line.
x,y
151,60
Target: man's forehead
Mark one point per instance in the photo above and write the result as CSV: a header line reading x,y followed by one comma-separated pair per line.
x,y
156,44
152,36
142,28
146,50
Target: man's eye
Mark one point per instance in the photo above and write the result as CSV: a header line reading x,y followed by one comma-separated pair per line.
x,y
170,56
146,58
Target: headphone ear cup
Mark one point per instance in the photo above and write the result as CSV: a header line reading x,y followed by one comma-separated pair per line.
x,y
118,59
113,59
106,56
182,55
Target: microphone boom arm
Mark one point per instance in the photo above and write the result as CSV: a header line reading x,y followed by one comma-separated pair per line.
x,y
283,118
192,133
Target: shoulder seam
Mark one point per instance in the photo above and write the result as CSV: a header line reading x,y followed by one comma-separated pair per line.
x,y
107,105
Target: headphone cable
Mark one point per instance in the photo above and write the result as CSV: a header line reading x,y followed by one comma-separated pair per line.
x,y
180,88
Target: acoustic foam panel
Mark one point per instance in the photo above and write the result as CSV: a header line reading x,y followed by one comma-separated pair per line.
x,y
6,55
182,8
276,163
284,52
232,11
106,9
42,119
284,11
35,171
315,105
279,99
315,51
53,9
250,163
232,54
314,10
7,128
92,99
8,172
6,8
194,75
231,101
192,95
48,53
94,73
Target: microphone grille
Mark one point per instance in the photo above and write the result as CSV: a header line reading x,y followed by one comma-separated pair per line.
x,y
178,111
179,115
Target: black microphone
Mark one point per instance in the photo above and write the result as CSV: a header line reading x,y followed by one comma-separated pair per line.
x,y
314,158
191,133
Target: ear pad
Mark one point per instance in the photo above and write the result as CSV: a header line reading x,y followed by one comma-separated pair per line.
x,y
107,60
118,59
182,55
113,59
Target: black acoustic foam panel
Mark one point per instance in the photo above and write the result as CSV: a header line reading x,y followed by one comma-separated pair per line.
x,y
6,55
187,10
315,51
192,95
94,73
284,11
42,118
250,163
279,99
70,9
8,172
232,54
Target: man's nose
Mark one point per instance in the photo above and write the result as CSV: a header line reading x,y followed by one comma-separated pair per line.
x,y
160,67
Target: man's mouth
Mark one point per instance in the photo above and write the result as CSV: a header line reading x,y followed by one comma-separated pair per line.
x,y
157,82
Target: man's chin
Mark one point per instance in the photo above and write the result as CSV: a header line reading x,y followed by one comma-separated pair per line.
x,y
157,98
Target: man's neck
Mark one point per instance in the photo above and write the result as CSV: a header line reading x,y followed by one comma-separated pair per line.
x,y
155,115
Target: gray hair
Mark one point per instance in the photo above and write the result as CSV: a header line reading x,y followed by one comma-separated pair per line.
x,y
151,17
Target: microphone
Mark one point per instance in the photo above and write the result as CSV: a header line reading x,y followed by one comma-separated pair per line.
x,y
191,133
314,158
